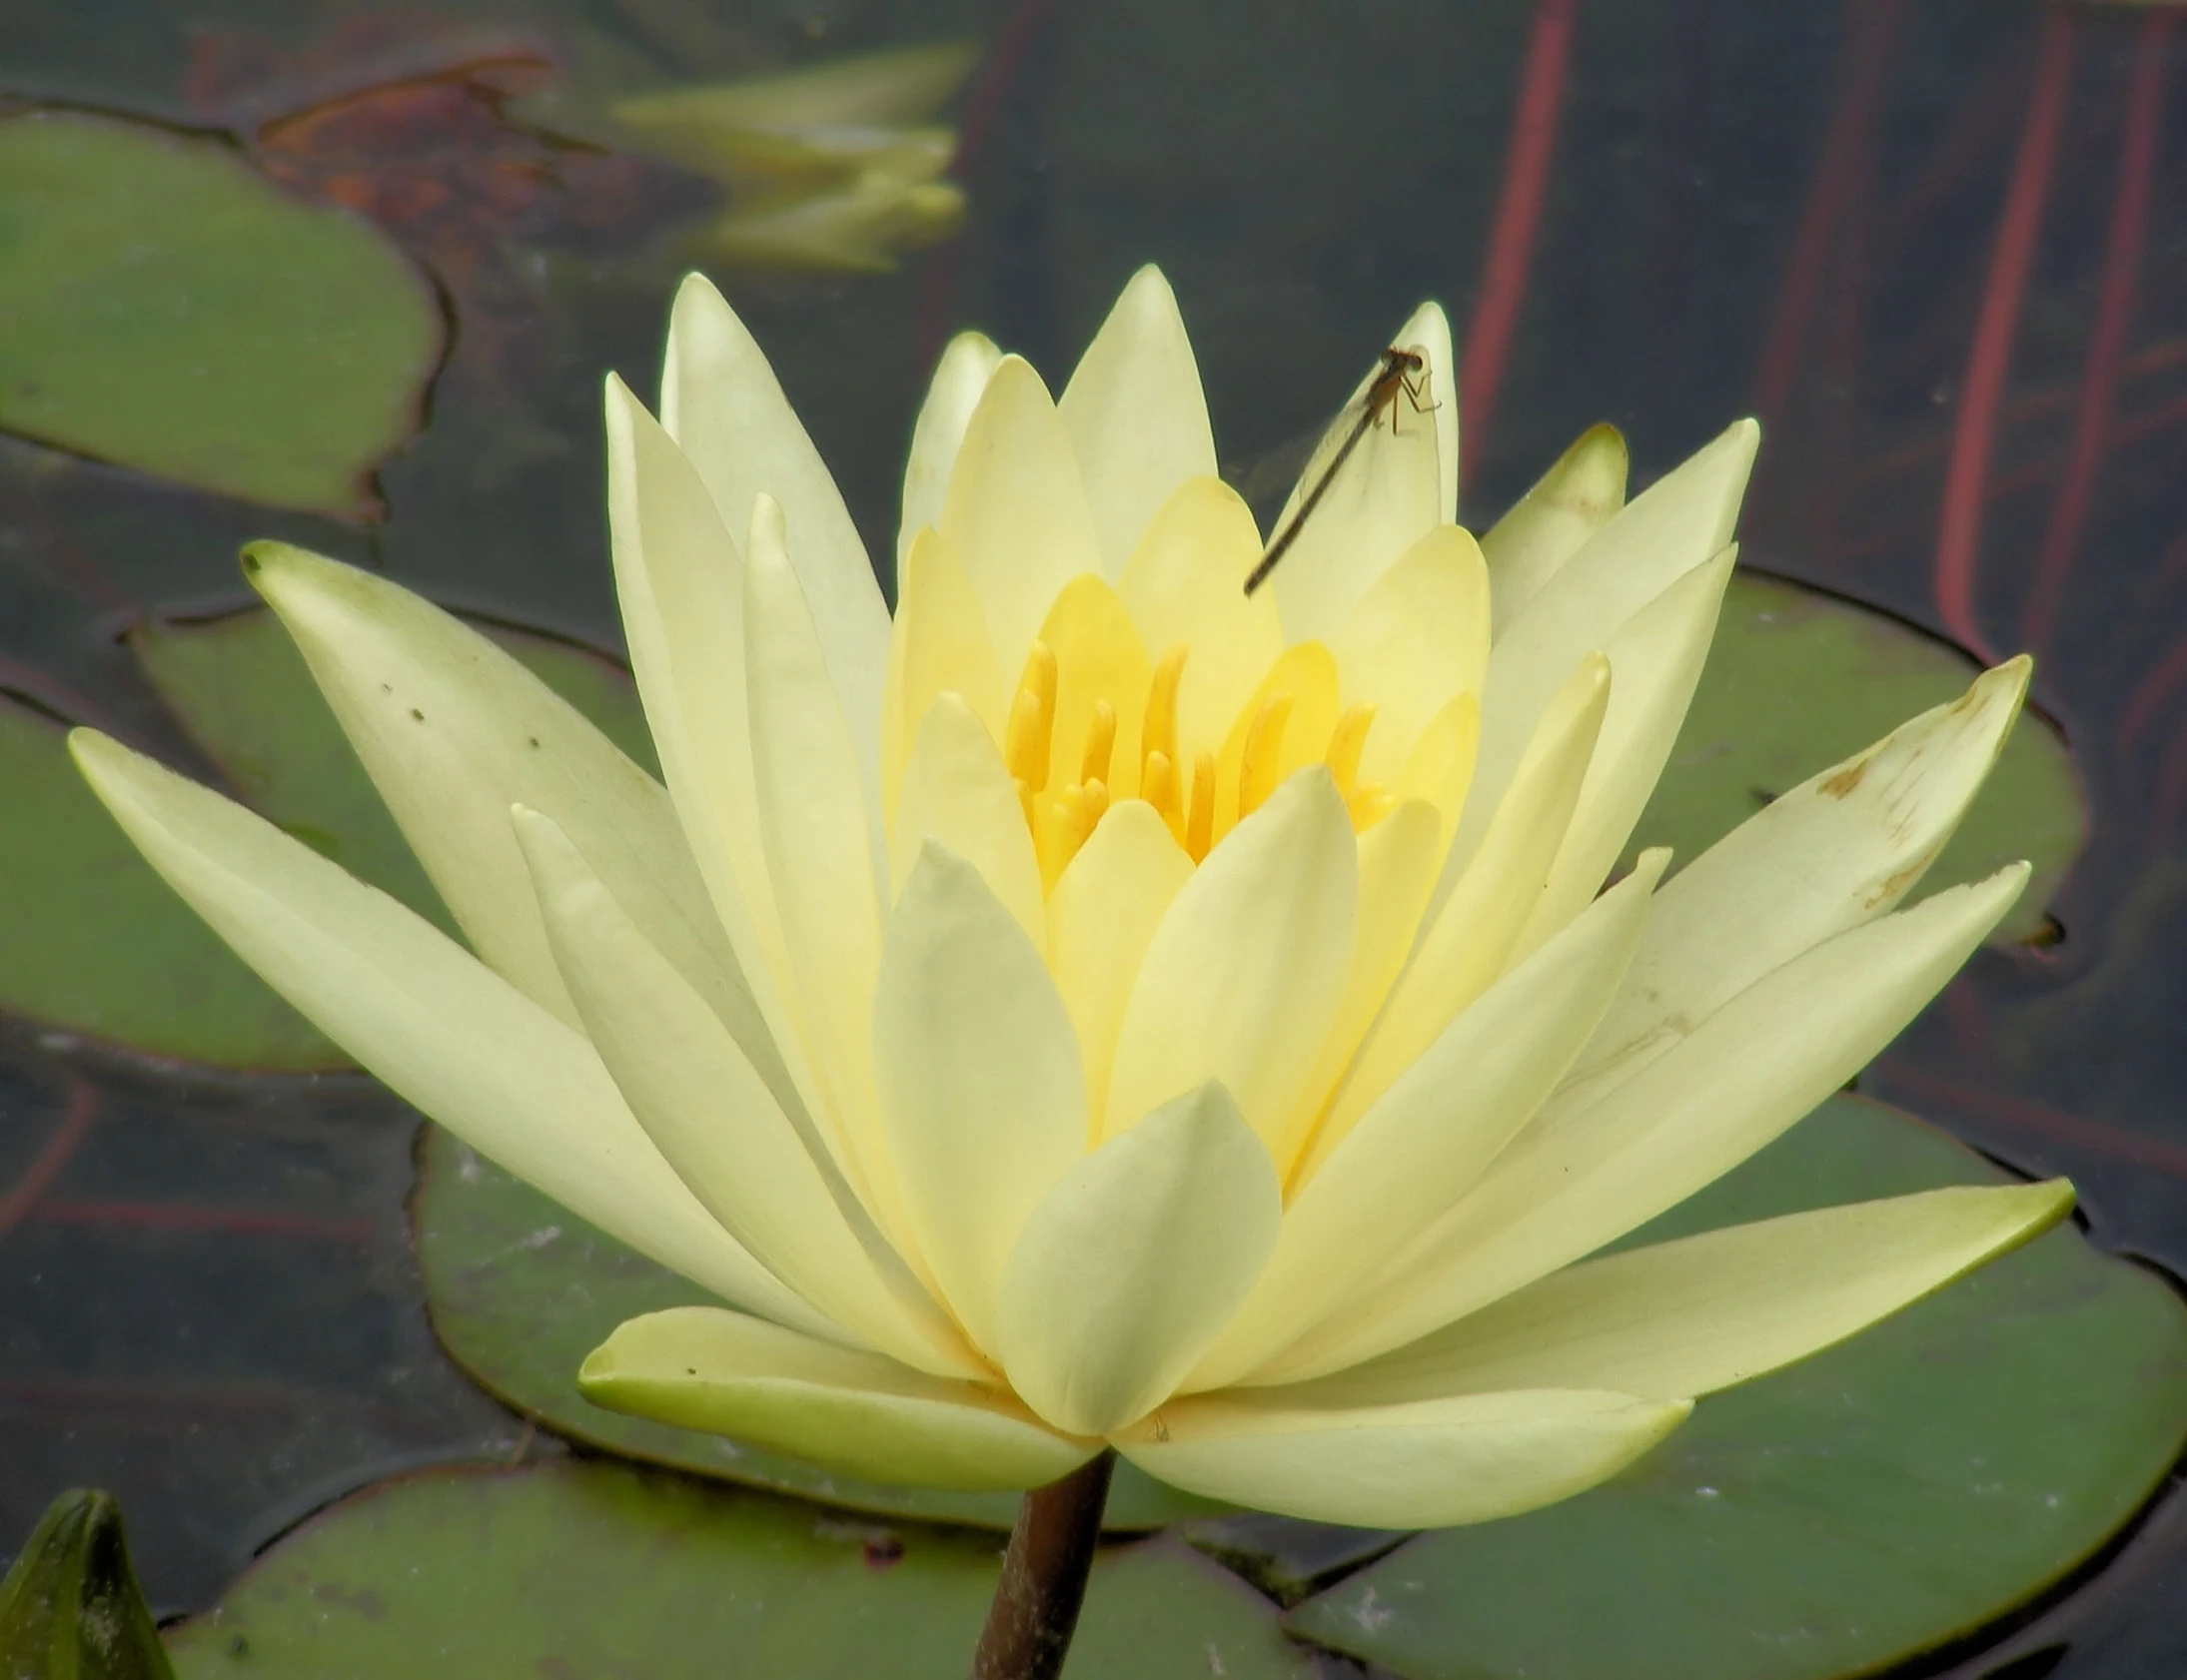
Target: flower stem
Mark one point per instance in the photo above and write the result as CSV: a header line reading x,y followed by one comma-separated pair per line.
x,y
1044,1576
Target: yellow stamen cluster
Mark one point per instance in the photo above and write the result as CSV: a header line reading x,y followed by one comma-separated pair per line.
x,y
1063,817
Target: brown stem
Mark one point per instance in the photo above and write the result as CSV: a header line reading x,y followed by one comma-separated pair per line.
x,y
1044,1576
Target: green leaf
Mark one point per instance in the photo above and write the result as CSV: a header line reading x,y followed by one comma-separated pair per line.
x,y
575,1568
70,1608
1878,1501
520,1291
1795,682
164,306
93,943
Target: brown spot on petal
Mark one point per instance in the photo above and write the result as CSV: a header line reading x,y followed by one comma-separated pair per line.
x,y
1842,785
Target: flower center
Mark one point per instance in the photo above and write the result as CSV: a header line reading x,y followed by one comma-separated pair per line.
x,y
1062,813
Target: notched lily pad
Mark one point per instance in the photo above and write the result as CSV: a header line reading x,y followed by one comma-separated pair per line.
x,y
1881,1499
94,944
520,1289
165,307
1797,681
575,1568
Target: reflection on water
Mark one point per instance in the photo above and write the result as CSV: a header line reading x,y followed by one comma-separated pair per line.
x,y
1942,250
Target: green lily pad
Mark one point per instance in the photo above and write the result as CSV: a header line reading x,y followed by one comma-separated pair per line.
x,y
71,1608
165,307
573,1568
1797,681
94,944
523,1329
1881,1499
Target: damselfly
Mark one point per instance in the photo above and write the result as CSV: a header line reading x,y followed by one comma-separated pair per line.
x,y
1403,372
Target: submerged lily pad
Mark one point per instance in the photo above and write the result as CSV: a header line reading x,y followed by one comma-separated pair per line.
x,y
595,1569
1881,1499
93,943
1797,681
520,1289
165,307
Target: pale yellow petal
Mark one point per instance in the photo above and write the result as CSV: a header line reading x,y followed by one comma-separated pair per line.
x,y
1100,661
1581,1175
1184,587
822,859
433,1023
1242,980
980,1079
1015,511
1430,1465
1429,1137
721,403
768,1179
1385,495
679,579
1544,528
938,645
698,1368
452,730
1306,681
1840,849
957,791
1470,937
1704,1313
1398,859
1678,522
1136,415
1429,329
1130,1265
1101,917
960,378
1655,662
1418,639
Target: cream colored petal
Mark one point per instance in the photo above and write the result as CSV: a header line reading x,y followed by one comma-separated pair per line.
x,y
938,645
433,1023
1387,496
960,376
957,791
1708,1311
1429,329
1015,511
1678,522
813,818
1398,859
1242,980
452,729
1101,917
1427,1140
697,1367
679,579
1183,587
1469,938
767,1179
1655,662
980,1077
1840,849
1130,1265
1418,639
1136,415
1544,528
720,401
1430,1464
1581,1175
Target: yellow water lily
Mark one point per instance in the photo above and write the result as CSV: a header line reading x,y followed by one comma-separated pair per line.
x,y
1095,1007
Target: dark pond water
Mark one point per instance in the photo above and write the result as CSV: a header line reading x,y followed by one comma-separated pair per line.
x,y
1940,249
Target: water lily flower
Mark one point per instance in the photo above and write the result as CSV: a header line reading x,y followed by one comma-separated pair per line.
x,y
1096,1008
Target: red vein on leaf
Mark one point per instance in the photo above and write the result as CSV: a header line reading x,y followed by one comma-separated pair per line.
x,y
60,1148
